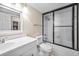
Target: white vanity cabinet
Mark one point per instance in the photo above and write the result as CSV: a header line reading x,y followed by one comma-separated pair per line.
x,y
31,52
28,49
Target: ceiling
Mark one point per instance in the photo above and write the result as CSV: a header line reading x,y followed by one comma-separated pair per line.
x,y
45,7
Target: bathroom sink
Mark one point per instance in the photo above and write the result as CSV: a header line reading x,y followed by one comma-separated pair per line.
x,y
15,43
11,44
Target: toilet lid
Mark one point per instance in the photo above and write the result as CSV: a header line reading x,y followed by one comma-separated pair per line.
x,y
46,46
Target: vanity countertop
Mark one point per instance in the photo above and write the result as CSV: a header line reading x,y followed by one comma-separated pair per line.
x,y
15,43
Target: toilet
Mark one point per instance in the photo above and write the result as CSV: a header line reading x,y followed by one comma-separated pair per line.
x,y
45,48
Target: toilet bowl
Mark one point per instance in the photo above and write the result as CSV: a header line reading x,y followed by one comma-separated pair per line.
x,y
39,40
45,48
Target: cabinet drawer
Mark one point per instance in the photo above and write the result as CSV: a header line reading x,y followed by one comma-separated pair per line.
x,y
31,52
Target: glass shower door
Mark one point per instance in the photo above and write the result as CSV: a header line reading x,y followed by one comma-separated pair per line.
x,y
48,27
63,27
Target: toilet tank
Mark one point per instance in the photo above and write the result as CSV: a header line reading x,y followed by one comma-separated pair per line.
x,y
39,39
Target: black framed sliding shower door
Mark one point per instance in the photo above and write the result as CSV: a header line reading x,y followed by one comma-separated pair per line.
x,y
64,27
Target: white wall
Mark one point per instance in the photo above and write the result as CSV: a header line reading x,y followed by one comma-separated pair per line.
x,y
31,17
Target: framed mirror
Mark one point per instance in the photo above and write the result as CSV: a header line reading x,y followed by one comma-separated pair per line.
x,y
9,19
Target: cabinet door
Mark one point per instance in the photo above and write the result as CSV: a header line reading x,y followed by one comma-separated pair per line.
x,y
63,17
31,52
63,36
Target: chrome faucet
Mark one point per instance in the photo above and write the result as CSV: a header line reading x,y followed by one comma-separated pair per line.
x,y
2,40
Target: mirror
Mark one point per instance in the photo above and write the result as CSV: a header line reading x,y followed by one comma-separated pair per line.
x,y
9,20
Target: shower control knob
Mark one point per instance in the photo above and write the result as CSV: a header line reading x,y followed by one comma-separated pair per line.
x,y
44,34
